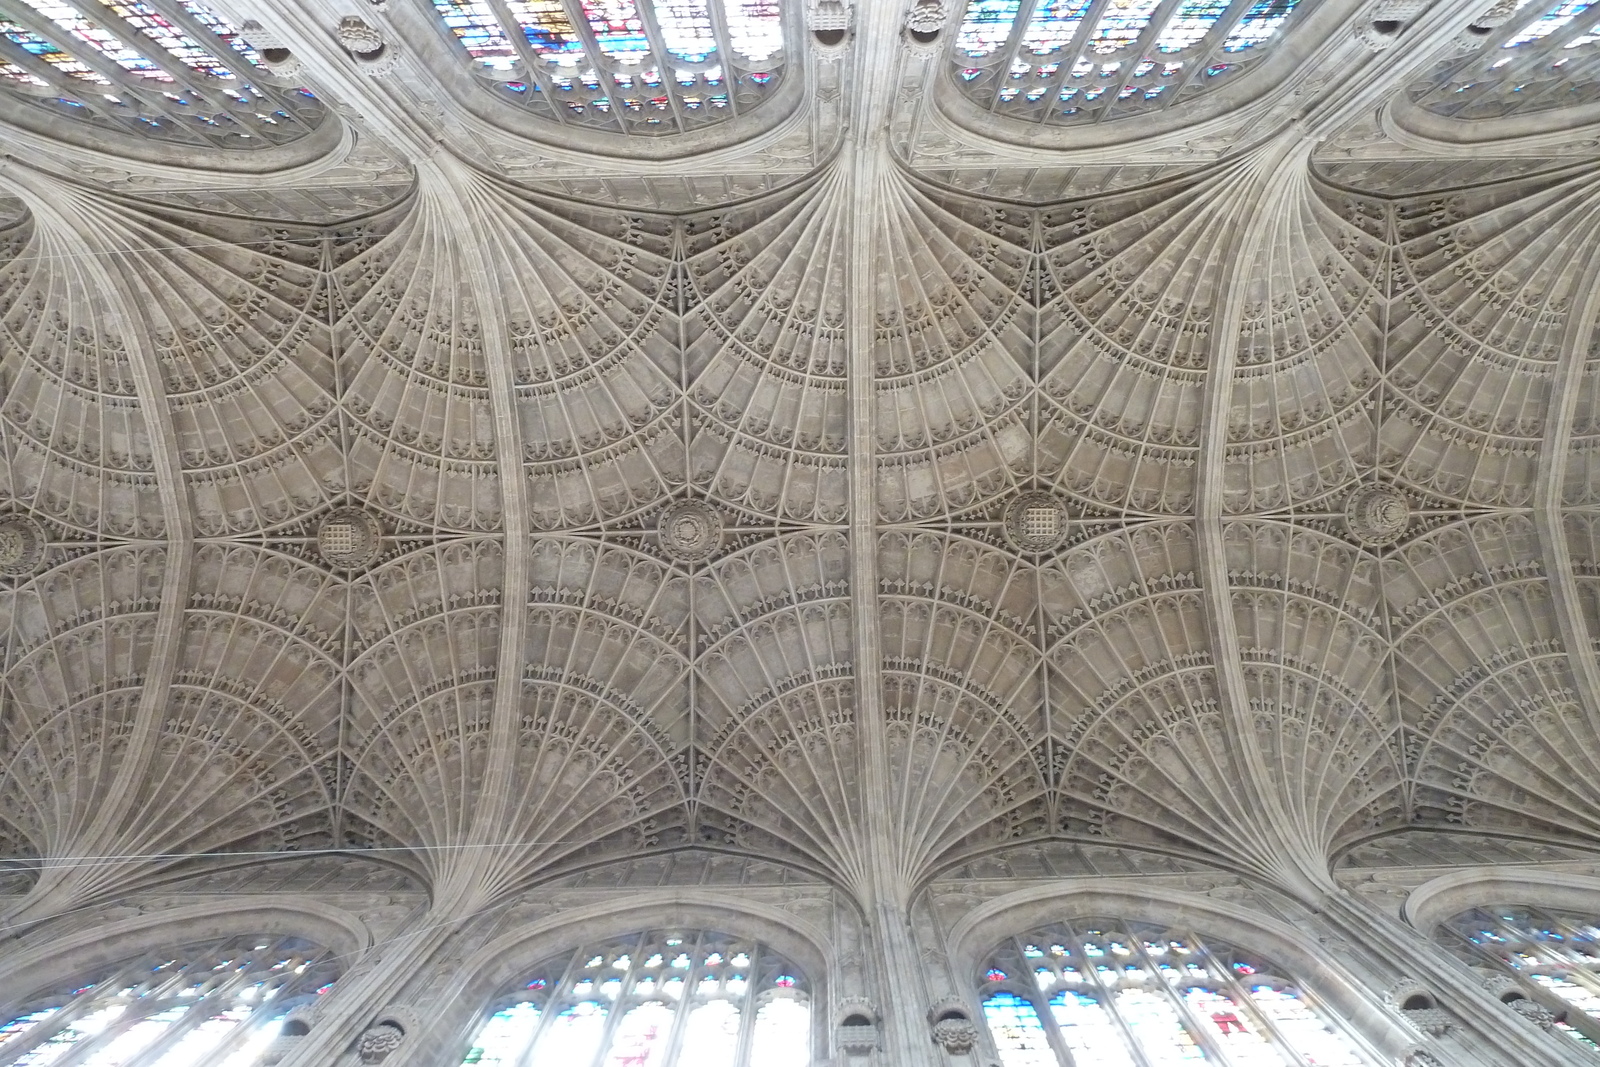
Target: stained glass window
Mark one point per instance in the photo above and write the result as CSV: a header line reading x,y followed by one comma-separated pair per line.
x,y
1557,952
221,1003
658,999
1542,58
1050,62
172,70
1123,994
625,66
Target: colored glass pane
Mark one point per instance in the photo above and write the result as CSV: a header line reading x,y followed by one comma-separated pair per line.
x,y
617,28
782,1034
711,1035
1156,1026
98,38
686,28
1189,25
1088,1031
755,28
1548,23
1310,1036
1261,21
504,1036
169,38
574,1035
986,26
1235,1030
51,53
1018,1034
1054,24
641,1037
62,1042
134,1040
480,33
1121,24
548,29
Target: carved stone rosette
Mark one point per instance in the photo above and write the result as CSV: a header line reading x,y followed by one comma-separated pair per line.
x,y
1377,515
690,531
22,543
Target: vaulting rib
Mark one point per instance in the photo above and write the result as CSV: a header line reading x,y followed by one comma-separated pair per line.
x,y
98,262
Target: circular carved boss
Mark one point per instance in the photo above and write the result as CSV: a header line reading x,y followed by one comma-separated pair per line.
x,y
22,544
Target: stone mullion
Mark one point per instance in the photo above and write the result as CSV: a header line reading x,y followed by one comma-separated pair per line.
x,y
1377,77
1565,392
1258,813
95,237
1402,951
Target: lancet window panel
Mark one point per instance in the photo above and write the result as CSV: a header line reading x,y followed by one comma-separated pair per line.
x,y
1075,61
657,999
1546,56
219,1004
168,70
647,67
1120,994
1555,952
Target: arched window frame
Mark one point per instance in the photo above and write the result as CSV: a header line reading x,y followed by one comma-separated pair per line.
x,y
1018,80
1218,961
1540,37
514,70
220,98
1508,938
199,980
556,986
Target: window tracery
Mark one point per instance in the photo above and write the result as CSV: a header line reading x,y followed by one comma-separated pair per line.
x,y
1120,994
1557,952
212,1005
627,66
1068,61
1541,58
171,70
657,999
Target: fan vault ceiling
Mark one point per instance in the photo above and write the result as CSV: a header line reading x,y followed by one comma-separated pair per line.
x,y
683,471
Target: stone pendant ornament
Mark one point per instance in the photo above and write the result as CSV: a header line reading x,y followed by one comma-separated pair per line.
x,y
22,543
378,1042
689,531
1377,515
1036,522
349,539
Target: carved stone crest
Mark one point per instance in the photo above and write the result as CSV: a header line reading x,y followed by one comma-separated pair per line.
x,y
1377,515
1036,522
349,538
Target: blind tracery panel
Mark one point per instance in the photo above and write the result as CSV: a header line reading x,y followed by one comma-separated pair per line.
x,y
171,70
1558,952
628,66
656,999
1542,58
1071,61
1119,994
214,1005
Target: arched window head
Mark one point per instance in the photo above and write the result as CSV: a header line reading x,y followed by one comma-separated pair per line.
x,y
1120,994
1071,61
1545,56
1557,954
656,999
624,66
168,70
220,1004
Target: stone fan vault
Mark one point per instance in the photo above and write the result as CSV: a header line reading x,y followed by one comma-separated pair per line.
x,y
875,515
